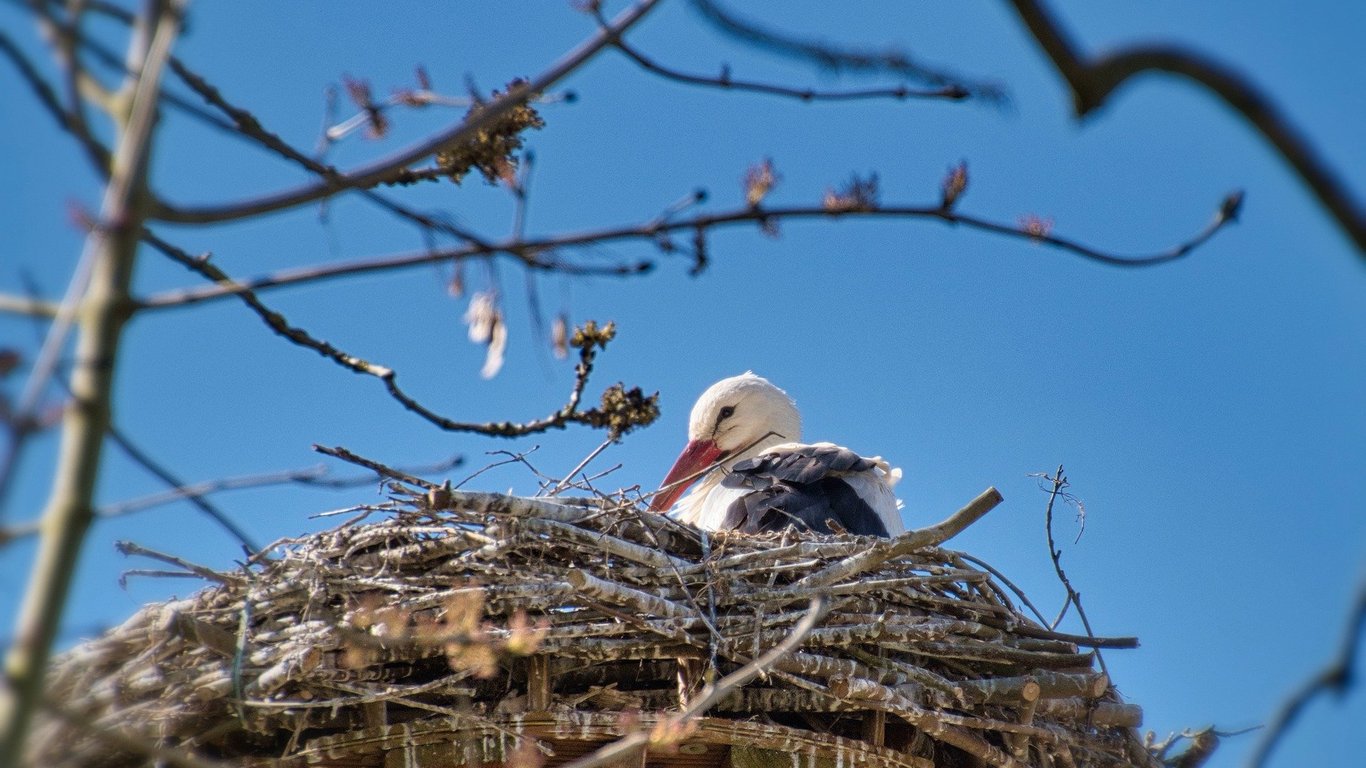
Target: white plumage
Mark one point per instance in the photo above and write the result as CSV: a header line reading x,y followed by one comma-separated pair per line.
x,y
752,473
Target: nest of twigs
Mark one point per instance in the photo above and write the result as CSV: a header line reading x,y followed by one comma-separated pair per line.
x,y
461,629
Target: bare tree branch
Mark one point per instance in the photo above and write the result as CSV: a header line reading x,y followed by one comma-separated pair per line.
x,y
111,250
104,56
79,85
24,305
383,169
250,127
179,488
529,252
316,476
1058,484
1337,677
140,457
240,125
835,58
1092,80
47,96
621,410
133,549
728,83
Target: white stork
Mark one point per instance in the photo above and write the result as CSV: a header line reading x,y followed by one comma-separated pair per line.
x,y
761,478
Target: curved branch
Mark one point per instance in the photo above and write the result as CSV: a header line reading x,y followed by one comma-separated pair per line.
x,y
528,251
1093,80
621,410
47,96
951,92
834,58
381,170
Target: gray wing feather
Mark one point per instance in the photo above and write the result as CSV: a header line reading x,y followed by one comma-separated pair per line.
x,y
805,464
801,487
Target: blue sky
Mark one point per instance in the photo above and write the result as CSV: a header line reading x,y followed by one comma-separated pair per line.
x,y
1210,412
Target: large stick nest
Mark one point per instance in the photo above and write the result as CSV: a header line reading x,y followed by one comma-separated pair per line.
x,y
475,616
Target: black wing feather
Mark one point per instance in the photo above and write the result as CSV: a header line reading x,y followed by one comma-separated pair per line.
x,y
801,487
804,464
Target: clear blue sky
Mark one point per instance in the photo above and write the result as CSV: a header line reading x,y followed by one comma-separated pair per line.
x,y
1210,412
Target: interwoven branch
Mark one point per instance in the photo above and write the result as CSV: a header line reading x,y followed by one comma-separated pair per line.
x,y
432,607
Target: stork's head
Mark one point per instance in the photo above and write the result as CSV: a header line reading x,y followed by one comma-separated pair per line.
x,y
734,419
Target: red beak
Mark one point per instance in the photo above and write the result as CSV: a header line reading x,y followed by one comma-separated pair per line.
x,y
697,456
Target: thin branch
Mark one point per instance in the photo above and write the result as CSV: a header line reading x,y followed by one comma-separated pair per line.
x,y
1337,678
131,549
1059,482
834,58
382,470
1001,577
728,83
383,169
25,305
80,86
358,480
512,458
617,417
672,729
143,459
315,476
910,541
108,10
527,252
49,356
47,96
179,490
652,230
248,126
242,125
569,478
1094,79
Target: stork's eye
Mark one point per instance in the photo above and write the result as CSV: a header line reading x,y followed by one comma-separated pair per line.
x,y
725,413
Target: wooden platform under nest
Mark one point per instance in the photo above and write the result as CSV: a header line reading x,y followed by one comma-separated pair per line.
x,y
468,629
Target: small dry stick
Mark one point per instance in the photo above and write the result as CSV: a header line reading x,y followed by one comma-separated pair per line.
x,y
1059,482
